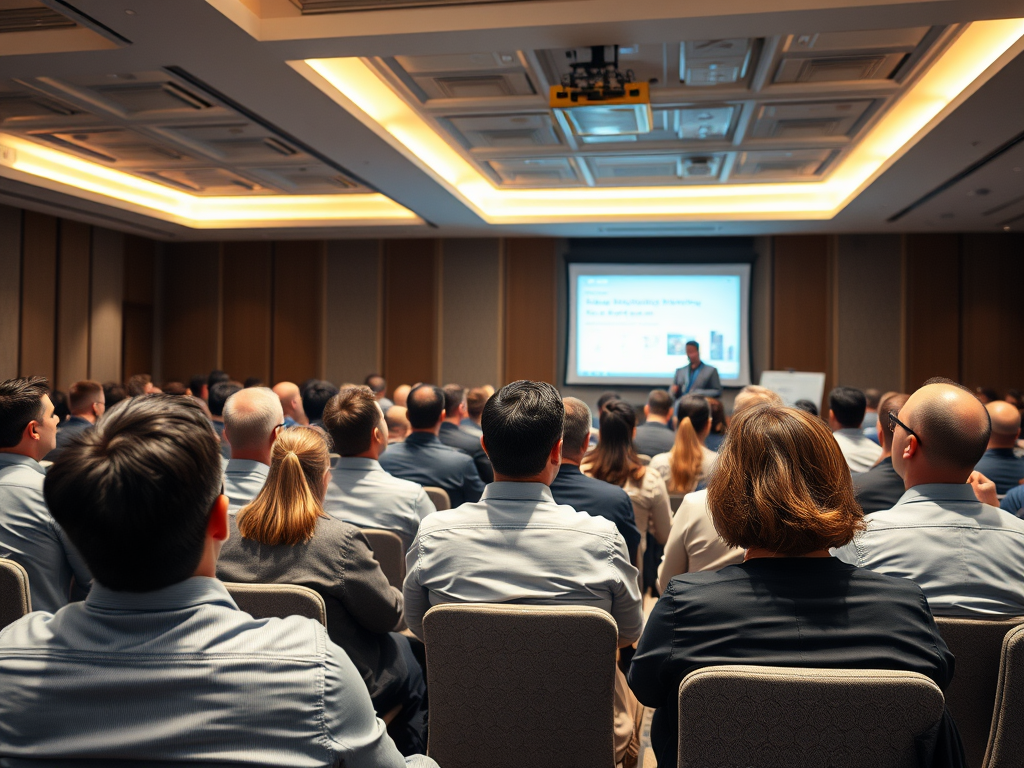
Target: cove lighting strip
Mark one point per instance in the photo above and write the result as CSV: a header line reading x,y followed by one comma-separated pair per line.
x,y
977,53
23,160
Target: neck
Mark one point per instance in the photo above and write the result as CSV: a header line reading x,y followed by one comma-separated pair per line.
x,y
543,477
454,420
574,460
695,365
757,553
21,451
217,418
88,416
429,430
1001,442
659,419
298,418
262,456
925,475
886,453
373,452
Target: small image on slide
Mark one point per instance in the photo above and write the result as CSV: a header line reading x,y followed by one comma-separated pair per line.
x,y
677,344
716,345
731,353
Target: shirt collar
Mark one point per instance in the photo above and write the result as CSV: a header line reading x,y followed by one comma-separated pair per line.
x,y
17,458
198,590
422,438
517,492
1005,452
247,465
851,431
78,420
357,462
570,469
934,492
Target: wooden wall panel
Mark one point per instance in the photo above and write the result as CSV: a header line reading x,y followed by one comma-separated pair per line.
x,y
139,316
471,300
932,310
531,307
106,319
802,307
299,294
410,311
191,324
38,296
73,293
247,297
353,325
10,290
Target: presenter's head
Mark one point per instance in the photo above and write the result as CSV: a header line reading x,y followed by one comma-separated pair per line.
x,y
693,352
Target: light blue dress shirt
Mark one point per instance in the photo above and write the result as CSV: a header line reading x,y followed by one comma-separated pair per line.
x,y
31,537
516,545
182,675
243,481
362,493
966,556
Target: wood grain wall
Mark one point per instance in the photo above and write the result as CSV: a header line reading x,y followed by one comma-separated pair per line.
x,y
411,279
531,309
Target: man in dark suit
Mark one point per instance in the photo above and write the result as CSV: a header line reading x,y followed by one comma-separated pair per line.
x,y
880,487
86,401
424,459
1000,464
315,397
219,394
586,494
656,435
697,378
454,436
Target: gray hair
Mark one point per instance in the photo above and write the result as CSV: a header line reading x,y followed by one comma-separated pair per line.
x,y
250,416
578,420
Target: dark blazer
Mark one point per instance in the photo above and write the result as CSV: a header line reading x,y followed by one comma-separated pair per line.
x,y
1002,467
598,499
225,446
783,612
879,488
707,382
337,562
653,438
454,437
65,432
424,459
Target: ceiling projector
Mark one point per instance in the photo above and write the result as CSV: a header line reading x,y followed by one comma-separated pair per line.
x,y
597,99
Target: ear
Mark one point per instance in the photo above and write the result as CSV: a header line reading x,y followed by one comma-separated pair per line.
x,y
555,457
227,437
444,415
32,430
881,432
647,411
911,448
217,527
271,440
484,445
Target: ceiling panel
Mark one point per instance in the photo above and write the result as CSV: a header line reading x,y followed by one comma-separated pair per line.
x,y
774,165
808,120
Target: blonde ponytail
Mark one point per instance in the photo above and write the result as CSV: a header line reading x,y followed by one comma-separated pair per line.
x,y
685,459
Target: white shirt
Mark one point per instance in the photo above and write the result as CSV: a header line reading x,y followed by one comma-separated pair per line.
x,y
861,454
694,544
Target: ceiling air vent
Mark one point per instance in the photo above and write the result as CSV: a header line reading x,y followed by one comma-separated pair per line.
x,y
834,69
714,62
32,17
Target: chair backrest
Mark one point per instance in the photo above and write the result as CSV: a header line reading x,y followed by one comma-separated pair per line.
x,y
439,496
977,646
15,600
1006,742
335,458
270,601
390,553
518,685
643,458
675,499
779,717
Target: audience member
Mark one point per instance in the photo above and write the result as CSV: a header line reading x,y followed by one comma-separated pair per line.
x,y
781,491
219,394
113,393
253,381
397,421
696,378
846,406
198,387
452,435
284,537
315,398
655,436
939,436
86,403
986,395
291,403
28,533
476,399
401,394
602,401
379,387
139,497
688,463
586,494
61,409
174,388
1015,398
139,384
517,545
872,398
718,425
360,492
252,419
1000,463
216,377
424,459
807,406
1013,502
880,487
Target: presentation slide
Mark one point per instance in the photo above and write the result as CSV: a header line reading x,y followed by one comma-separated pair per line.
x,y
629,323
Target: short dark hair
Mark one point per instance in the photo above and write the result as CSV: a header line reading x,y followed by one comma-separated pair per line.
x,y
216,377
945,437
21,401
350,417
136,385
60,405
522,422
693,343
604,399
114,393
174,388
848,405
83,394
872,396
134,494
315,398
376,383
659,402
454,396
476,399
578,421
219,394
253,381
424,406
807,406
196,384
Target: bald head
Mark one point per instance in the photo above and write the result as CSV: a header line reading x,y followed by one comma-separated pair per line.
x,y
251,417
398,423
753,395
401,395
1005,424
291,400
952,430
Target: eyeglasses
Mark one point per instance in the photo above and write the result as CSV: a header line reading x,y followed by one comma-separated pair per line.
x,y
279,426
893,421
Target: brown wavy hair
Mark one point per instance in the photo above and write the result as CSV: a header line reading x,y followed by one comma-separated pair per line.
x,y
615,459
782,483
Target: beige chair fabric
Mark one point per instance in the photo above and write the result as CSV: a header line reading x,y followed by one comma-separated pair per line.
x,y
15,600
977,646
516,685
1006,742
268,601
439,496
781,717
390,553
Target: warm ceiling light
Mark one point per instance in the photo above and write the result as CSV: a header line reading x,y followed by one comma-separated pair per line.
x,y
979,51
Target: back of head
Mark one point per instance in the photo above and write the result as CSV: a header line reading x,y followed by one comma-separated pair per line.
x,y
753,395
196,384
873,398
215,377
424,406
807,406
376,383
604,399
781,483
1005,424
848,405
454,397
60,404
401,395
576,430
350,418
686,456
659,403
83,394
953,426
717,415
21,401
522,423
138,384
114,393
398,421
286,509
134,494
174,388
253,381
476,399
250,417
315,397
615,459
219,394
891,403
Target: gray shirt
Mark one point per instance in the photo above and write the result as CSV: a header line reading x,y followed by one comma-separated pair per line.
x,y
182,675
243,481
31,537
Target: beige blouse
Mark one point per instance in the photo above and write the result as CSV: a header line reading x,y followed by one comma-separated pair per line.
x,y
663,461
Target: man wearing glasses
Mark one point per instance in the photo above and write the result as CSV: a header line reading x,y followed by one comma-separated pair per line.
x,y
881,487
967,556
252,418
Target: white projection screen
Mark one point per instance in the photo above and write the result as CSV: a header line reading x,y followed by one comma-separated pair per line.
x,y
629,323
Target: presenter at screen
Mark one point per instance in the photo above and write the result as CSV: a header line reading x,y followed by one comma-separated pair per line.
x,y
697,378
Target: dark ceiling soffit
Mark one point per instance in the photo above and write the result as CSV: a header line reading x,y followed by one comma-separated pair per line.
x,y
85,20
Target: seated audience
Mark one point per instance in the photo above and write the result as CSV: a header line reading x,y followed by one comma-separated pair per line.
x,y
585,494
688,463
872,398
60,405
315,397
174,388
602,401
219,394
1000,463
452,435
655,435
379,386
139,384
252,419
1013,502
476,398
291,403
807,406
846,406
113,393
284,537
197,387
158,663
424,459
939,435
986,395
28,533
880,487
781,491
1015,398
216,377
401,394
397,420
718,425
86,403
360,492
517,545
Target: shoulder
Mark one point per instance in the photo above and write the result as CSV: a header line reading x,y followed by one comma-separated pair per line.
x,y
17,477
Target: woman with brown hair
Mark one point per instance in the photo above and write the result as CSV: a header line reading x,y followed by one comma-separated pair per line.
x,y
782,491
689,462
283,536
